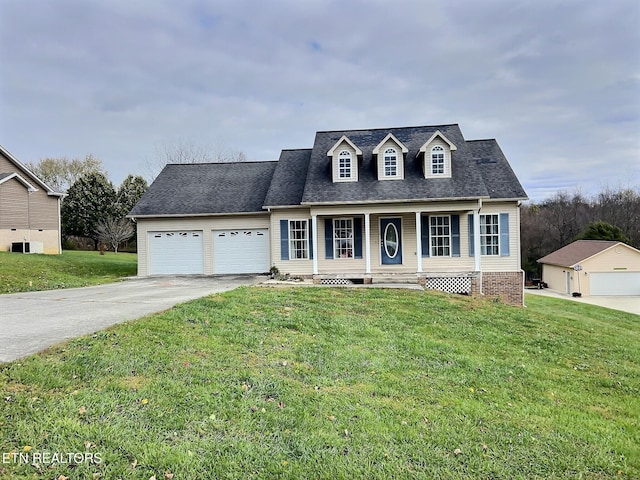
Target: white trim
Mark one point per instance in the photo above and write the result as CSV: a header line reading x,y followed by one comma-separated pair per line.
x,y
400,217
367,242
353,238
292,240
476,240
419,240
21,179
438,133
21,166
390,136
432,236
344,138
314,233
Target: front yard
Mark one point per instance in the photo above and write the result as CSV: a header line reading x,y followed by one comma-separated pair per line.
x,y
24,273
334,383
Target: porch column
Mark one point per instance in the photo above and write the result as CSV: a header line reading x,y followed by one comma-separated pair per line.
x,y
314,236
476,240
367,243
419,240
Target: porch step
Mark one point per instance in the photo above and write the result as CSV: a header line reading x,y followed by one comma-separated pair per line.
x,y
394,278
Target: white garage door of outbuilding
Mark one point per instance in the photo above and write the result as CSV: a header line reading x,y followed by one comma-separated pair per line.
x,y
176,253
241,251
615,283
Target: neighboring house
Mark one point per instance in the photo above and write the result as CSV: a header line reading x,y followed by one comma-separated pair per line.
x,y
593,267
29,209
417,203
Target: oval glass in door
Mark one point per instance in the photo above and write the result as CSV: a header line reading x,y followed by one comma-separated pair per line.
x,y
391,240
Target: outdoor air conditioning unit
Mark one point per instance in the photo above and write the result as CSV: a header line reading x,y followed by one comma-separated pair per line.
x,y
27,247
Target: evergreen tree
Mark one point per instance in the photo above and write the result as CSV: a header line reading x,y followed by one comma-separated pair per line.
x,y
89,200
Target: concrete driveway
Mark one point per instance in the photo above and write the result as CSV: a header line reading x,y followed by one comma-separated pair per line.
x,y
33,321
624,304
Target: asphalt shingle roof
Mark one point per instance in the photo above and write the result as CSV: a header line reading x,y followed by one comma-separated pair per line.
x,y
479,169
576,252
289,178
469,178
201,188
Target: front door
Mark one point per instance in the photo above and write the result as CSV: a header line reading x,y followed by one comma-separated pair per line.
x,y
390,241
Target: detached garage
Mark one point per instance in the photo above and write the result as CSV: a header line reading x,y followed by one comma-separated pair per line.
x,y
593,267
205,219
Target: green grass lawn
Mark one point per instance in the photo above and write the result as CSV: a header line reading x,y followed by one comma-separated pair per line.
x,y
335,383
23,273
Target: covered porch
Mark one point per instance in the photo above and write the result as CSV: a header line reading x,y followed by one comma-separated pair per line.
x,y
430,243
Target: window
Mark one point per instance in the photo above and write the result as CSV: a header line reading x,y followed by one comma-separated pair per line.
x,y
390,162
344,164
298,239
437,160
342,238
440,234
489,235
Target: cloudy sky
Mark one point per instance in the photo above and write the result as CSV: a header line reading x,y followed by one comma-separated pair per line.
x,y
557,83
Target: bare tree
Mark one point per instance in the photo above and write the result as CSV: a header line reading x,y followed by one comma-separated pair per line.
x,y
61,173
186,151
114,231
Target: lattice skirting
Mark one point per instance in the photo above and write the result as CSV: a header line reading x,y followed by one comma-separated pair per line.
x,y
336,281
449,284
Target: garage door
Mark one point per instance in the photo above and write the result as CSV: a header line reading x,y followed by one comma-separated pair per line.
x,y
615,283
176,252
241,251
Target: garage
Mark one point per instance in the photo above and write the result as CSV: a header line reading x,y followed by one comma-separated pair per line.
x,y
241,251
176,253
615,283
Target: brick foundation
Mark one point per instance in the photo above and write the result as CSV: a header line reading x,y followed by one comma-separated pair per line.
x,y
507,286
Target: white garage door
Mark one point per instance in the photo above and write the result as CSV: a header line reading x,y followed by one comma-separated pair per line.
x,y
241,251
615,283
177,252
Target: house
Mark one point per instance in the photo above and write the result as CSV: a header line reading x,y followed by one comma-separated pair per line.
x,y
416,203
593,267
29,209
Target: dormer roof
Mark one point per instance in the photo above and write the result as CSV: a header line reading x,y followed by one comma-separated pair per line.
x,y
435,135
390,136
344,138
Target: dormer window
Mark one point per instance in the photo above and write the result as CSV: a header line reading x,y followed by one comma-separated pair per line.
x,y
437,160
390,162
436,156
389,155
344,160
344,164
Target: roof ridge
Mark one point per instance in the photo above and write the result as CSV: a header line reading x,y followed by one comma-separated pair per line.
x,y
390,128
225,163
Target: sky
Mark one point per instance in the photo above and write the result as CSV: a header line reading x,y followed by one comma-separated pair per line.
x,y
557,83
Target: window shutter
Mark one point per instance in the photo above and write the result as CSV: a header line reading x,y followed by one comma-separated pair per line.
x,y
310,233
424,231
455,235
504,235
328,238
471,243
284,239
357,237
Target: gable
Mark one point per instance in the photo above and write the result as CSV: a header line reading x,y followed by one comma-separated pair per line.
x,y
8,163
390,158
5,177
577,252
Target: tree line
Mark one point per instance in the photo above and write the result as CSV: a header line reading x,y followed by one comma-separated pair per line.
x,y
612,214
93,207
